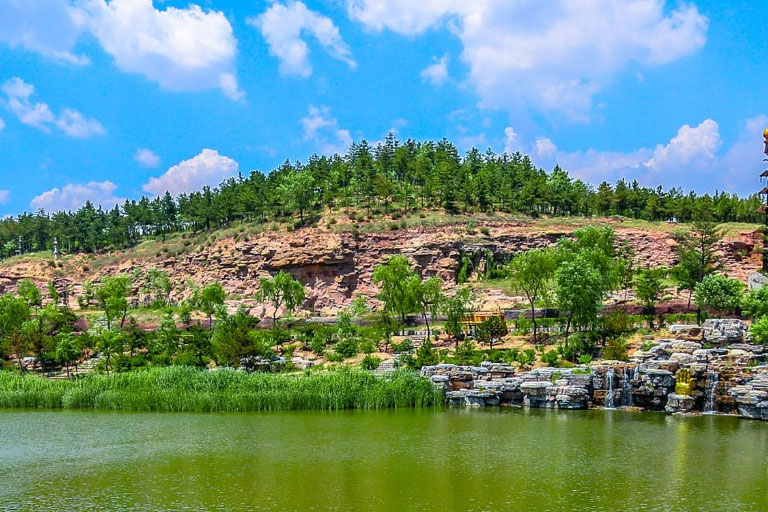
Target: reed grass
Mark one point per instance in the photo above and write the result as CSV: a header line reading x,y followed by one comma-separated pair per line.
x,y
186,389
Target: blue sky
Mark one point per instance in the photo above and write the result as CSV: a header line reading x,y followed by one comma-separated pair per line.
x,y
111,100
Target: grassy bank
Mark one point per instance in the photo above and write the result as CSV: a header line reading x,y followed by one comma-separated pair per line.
x,y
177,389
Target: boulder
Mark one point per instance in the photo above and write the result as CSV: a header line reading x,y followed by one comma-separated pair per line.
x,y
722,331
683,331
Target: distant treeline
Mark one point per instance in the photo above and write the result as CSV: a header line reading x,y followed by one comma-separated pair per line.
x,y
392,176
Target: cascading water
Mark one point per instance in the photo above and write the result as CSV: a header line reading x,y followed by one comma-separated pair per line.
x,y
710,405
609,398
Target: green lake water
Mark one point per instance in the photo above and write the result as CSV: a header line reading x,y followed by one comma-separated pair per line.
x,y
425,460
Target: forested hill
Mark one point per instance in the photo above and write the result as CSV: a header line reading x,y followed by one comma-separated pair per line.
x,y
391,177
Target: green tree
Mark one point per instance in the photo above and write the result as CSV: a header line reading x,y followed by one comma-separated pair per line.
x,y
579,289
211,297
531,273
111,295
428,296
696,256
67,350
393,278
716,293
30,293
281,291
110,343
490,330
455,309
649,289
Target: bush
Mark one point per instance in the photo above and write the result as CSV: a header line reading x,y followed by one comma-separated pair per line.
x,y
404,346
485,231
527,357
370,362
317,345
616,349
465,352
551,358
585,359
333,357
367,347
347,347
759,330
718,293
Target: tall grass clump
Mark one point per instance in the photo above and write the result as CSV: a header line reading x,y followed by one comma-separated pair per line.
x,y
186,389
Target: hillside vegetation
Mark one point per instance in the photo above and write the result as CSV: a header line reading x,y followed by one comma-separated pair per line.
x,y
392,179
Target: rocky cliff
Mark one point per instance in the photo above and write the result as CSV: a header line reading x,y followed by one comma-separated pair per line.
x,y
335,265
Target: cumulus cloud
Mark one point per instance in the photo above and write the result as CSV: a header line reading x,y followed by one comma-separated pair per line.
x,y
207,168
283,25
554,56
322,129
545,148
18,99
73,196
510,140
437,72
691,144
180,49
694,158
48,27
402,16
146,157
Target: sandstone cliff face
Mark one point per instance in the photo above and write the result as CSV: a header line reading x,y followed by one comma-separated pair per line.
x,y
335,266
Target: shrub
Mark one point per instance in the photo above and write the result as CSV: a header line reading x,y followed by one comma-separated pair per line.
x,y
551,358
485,231
616,349
347,347
585,359
527,357
370,362
759,330
404,346
367,347
333,357
718,293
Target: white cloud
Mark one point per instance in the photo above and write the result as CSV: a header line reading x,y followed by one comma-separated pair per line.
x,y
407,17
49,27
511,143
554,56
72,123
207,168
4,196
437,72
692,144
545,148
146,157
322,129
18,96
693,159
2,125
73,196
180,49
283,25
